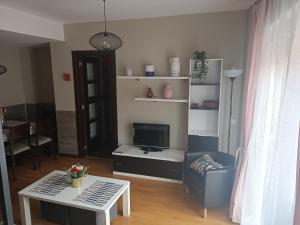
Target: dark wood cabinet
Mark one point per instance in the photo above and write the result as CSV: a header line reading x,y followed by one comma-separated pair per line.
x,y
148,167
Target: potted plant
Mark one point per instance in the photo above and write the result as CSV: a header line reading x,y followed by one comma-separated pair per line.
x,y
76,173
200,65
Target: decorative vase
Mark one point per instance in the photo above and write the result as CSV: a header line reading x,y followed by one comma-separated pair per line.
x,y
129,71
149,93
168,91
77,182
175,66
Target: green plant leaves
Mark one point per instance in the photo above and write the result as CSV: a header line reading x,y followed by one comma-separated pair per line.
x,y
200,67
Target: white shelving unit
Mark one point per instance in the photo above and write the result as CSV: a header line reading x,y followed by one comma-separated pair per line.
x,y
161,100
205,121
152,78
158,99
203,133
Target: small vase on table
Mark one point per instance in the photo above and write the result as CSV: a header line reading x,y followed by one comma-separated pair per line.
x,y
77,182
76,173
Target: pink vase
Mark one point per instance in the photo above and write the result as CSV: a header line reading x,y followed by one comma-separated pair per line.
x,y
168,91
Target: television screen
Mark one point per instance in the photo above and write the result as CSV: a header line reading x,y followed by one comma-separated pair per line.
x,y
151,135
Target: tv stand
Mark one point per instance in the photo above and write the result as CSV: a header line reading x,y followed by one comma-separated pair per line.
x,y
165,165
150,149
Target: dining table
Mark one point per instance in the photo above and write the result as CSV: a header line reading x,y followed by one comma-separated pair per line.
x,y
10,124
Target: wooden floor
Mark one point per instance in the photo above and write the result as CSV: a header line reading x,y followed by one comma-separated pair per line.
x,y
152,202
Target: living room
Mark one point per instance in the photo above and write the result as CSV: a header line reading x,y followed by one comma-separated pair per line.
x,y
174,100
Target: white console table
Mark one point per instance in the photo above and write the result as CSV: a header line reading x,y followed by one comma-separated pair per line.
x,y
166,165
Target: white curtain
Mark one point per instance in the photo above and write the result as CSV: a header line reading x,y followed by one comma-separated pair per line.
x,y
270,177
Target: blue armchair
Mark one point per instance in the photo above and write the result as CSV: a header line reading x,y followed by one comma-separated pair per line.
x,y
213,187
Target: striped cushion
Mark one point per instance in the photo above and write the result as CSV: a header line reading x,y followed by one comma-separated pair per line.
x,y
204,163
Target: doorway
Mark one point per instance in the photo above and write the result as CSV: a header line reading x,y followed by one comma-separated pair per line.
x,y
96,103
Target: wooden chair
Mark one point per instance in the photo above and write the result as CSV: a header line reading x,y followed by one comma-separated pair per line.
x,y
44,135
18,142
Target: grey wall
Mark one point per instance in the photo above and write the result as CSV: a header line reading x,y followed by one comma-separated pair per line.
x,y
11,83
37,74
29,76
154,41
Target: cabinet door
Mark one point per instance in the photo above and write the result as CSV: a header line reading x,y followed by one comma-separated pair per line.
x,y
148,167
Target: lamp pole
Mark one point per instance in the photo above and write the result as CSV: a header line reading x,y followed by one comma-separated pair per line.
x,y
230,114
231,74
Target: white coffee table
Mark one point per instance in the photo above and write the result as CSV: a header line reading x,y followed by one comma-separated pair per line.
x,y
97,194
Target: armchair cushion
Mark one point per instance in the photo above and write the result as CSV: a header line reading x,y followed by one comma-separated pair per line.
x,y
205,163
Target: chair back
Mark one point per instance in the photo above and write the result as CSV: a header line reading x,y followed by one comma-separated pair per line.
x,y
45,126
45,121
224,159
19,132
202,143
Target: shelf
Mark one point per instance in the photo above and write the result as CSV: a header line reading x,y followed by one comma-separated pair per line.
x,y
161,100
206,84
203,133
204,108
152,78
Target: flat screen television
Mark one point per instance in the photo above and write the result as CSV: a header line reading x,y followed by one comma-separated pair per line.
x,y
151,137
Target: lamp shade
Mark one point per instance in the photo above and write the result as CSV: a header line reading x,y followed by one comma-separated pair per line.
x,y
105,41
233,73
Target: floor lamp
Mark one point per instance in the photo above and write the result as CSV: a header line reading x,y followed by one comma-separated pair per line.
x,y
232,74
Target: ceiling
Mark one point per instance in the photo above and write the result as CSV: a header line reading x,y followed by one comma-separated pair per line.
x,y
73,11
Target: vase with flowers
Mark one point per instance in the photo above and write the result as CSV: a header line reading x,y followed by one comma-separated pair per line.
x,y
76,173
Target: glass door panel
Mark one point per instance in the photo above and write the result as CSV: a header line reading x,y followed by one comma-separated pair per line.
x,y
92,90
93,130
91,71
92,111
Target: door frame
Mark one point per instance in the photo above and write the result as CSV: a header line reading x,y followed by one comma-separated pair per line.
x,y
80,113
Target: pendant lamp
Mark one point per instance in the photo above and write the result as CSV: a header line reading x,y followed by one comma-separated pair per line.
x,y
105,41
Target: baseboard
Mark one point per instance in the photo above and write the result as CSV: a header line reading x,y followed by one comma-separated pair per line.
x,y
147,177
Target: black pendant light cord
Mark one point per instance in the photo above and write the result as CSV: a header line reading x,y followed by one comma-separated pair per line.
x,y
104,18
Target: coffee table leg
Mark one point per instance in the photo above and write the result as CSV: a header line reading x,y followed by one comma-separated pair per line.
x,y
126,202
103,219
25,210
